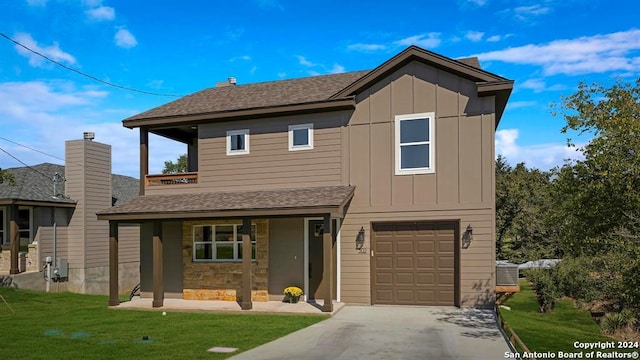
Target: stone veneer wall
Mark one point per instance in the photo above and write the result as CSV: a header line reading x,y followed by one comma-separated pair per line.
x,y
223,280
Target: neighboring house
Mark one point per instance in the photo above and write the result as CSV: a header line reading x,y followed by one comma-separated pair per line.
x,y
368,187
51,210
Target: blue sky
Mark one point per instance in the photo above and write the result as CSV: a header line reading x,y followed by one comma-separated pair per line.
x,y
169,47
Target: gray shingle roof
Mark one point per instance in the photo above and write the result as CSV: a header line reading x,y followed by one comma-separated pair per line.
x,y
35,184
256,95
279,199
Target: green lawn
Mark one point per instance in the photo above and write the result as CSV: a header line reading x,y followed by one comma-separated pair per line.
x,y
73,326
552,332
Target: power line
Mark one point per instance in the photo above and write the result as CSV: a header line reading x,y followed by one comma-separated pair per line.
x,y
85,74
32,149
25,164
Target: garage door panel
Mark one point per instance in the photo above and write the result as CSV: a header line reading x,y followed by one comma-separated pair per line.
x,y
384,278
404,247
415,263
404,262
404,278
426,262
425,246
384,263
384,246
445,262
427,279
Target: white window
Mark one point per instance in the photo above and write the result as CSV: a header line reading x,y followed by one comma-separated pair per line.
x,y
415,143
300,137
220,242
238,142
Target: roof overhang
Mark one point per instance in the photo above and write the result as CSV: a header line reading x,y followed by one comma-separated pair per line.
x,y
344,103
265,203
4,202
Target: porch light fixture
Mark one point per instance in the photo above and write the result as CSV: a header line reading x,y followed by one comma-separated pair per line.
x,y
467,237
360,239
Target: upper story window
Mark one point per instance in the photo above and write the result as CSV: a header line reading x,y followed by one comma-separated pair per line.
x,y
220,242
300,137
415,143
238,142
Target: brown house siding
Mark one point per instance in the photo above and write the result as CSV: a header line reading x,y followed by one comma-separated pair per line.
x,y
269,164
461,189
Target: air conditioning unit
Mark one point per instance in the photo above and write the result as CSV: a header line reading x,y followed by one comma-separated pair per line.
x,y
507,275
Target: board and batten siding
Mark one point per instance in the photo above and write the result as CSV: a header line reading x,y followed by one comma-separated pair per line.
x,y
461,189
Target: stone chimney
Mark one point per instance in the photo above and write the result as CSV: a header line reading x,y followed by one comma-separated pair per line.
x,y
88,181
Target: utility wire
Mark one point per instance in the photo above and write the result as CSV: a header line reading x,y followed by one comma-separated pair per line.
x,y
30,148
85,74
25,164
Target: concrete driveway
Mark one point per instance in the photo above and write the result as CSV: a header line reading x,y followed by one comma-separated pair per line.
x,y
392,332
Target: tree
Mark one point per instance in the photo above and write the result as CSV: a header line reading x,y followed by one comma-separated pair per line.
x,y
7,177
180,166
600,195
523,202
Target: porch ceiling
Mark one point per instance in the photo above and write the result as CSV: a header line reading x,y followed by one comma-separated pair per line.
x,y
262,203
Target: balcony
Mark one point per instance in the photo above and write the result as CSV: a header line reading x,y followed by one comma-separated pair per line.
x,y
171,179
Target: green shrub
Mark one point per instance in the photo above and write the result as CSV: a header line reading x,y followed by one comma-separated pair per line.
x,y
545,288
613,322
577,279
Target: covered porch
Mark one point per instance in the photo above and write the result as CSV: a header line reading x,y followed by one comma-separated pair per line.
x,y
326,205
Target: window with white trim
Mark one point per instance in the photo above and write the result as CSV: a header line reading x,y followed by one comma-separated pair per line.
x,y
220,242
415,143
300,137
238,142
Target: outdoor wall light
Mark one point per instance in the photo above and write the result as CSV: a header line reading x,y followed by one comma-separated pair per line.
x,y
360,239
467,237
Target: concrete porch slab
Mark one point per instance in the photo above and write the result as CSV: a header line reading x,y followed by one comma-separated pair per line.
x,y
181,305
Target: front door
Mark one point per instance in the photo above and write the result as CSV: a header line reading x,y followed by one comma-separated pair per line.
x,y
316,282
316,231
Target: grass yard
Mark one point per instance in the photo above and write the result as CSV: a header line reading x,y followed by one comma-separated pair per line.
x,y
73,326
552,332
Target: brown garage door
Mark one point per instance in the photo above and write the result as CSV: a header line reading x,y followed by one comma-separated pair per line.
x,y
414,263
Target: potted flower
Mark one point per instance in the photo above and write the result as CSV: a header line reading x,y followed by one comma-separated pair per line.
x,y
293,294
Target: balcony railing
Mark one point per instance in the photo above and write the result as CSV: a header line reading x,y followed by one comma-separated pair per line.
x,y
172,179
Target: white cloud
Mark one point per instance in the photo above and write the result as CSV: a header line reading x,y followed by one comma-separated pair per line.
x,y
474,36
337,68
537,85
525,12
125,39
37,2
304,62
540,156
242,57
520,104
52,112
102,13
52,51
477,2
366,47
584,55
429,40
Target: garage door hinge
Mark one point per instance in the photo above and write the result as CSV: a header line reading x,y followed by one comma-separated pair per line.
x,y
371,252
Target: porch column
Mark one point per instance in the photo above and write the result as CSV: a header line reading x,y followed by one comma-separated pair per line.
x,y
144,158
14,235
158,290
327,264
113,263
246,303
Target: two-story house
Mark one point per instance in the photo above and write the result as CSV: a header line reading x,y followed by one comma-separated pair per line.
x,y
368,187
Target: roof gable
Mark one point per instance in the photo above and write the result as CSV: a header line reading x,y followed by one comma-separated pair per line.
x,y
463,68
